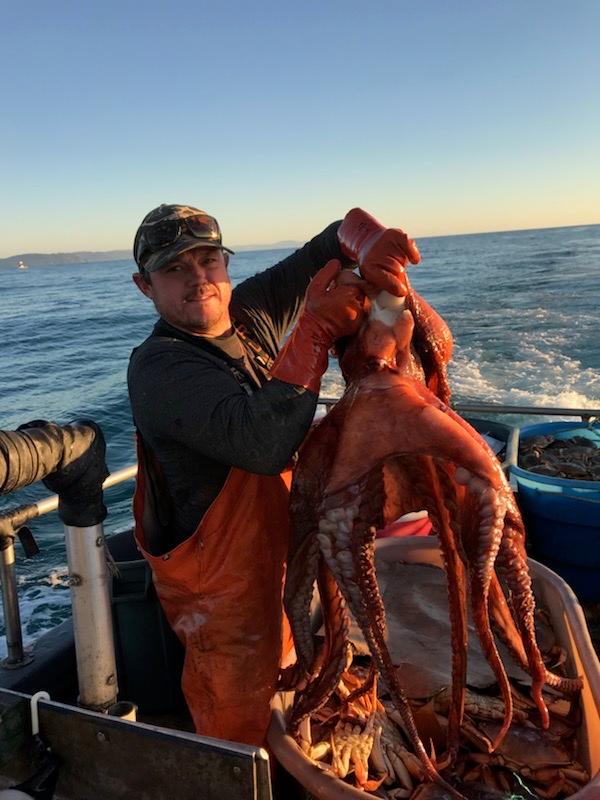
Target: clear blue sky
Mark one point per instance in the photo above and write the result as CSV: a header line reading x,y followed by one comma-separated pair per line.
x,y
440,116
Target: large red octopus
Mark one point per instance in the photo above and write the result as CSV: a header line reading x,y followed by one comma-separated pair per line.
x,y
389,446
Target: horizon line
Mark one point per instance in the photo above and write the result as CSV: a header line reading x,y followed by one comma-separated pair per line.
x,y
282,246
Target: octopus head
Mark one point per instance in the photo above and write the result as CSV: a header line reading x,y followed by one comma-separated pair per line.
x,y
383,342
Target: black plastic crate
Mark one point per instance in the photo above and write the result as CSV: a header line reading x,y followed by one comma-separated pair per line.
x,y
149,654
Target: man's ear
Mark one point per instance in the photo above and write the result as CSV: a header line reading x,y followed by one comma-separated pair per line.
x,y
226,256
142,284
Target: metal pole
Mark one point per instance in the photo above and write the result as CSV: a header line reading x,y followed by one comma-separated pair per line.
x,y
512,449
92,620
12,618
586,414
499,408
125,474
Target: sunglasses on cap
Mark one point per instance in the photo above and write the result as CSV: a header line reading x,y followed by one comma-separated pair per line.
x,y
155,236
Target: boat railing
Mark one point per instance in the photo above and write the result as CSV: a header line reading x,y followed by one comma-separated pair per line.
x,y
585,414
12,524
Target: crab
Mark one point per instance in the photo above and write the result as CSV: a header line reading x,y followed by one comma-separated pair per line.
x,y
577,458
527,755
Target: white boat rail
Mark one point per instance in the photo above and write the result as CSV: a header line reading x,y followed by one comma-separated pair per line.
x,y
585,414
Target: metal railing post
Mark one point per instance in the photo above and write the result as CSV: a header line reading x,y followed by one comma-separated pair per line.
x,y
92,616
12,618
10,521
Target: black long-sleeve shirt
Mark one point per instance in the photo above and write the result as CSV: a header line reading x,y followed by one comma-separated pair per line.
x,y
203,405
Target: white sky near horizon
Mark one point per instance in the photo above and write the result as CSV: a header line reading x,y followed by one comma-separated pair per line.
x,y
277,117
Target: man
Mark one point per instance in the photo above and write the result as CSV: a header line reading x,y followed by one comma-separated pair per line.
x,y
220,411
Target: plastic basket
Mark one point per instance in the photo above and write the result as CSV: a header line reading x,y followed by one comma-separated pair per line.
x,y
562,516
570,630
148,653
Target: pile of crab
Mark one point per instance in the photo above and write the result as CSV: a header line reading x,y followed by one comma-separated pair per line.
x,y
575,458
360,737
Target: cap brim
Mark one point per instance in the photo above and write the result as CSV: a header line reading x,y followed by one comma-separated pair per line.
x,y
184,243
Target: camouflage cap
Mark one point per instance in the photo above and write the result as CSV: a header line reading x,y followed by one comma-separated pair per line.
x,y
169,230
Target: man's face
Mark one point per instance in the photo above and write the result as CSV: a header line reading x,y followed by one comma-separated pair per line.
x,y
192,292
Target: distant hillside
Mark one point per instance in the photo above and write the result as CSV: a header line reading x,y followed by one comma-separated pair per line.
x,y
283,245
48,259
89,256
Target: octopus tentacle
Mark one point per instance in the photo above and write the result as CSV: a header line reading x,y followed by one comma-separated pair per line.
x,y
433,342
504,626
512,563
304,553
375,635
485,485
356,577
488,645
448,534
513,567
332,660
363,550
369,619
516,575
482,536
298,593
523,602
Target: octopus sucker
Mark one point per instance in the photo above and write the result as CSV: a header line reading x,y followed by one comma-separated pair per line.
x,y
390,446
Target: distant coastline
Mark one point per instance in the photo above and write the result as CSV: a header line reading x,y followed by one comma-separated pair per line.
x,y
92,257
52,259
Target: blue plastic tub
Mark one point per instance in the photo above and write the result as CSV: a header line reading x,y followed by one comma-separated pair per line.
x,y
562,516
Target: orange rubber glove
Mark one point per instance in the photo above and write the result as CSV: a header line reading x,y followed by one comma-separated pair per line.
x,y
381,253
330,312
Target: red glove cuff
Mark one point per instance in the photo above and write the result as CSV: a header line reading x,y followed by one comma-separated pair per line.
x,y
356,230
304,358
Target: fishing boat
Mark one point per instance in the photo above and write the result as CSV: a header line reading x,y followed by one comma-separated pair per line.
x,y
93,708
22,265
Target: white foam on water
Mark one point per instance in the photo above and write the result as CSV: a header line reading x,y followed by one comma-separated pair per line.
x,y
537,374
468,381
43,603
333,383
533,376
58,577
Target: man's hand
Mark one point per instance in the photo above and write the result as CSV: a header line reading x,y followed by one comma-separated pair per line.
x,y
333,308
381,253
337,307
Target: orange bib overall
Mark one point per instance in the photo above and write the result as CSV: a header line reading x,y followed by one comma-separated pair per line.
x,y
221,592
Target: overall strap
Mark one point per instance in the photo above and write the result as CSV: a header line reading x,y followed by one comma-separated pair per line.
x,y
260,359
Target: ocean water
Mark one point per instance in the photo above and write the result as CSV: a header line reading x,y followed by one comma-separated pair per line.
x,y
523,308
